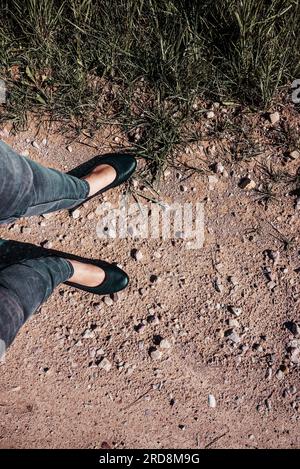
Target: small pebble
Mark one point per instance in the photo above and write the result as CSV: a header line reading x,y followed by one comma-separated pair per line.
x,y
271,285
274,117
233,336
234,310
108,301
247,183
35,145
218,285
295,155
76,214
105,364
88,334
233,280
210,115
269,373
156,354
165,344
212,401
212,181
137,255
219,168
141,328
279,375
48,215
233,323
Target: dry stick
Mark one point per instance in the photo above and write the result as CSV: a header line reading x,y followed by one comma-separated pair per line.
x,y
137,399
215,439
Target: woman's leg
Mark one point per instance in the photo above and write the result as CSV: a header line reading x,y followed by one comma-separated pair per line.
x,y
23,288
27,188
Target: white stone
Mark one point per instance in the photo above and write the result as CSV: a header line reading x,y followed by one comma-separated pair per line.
x,y
156,354
108,301
105,364
212,401
295,155
35,145
76,214
165,344
274,117
210,114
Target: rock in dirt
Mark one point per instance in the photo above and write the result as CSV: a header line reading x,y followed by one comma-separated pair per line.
x,y
233,280
218,285
295,356
105,364
210,115
155,354
157,255
165,344
140,328
235,310
269,373
35,145
295,155
48,215
108,301
153,319
233,323
233,336
212,401
76,214
136,255
274,117
116,296
271,285
274,256
88,334
279,375
212,181
218,168
247,183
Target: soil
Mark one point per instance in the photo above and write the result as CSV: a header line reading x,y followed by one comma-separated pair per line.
x,y
228,377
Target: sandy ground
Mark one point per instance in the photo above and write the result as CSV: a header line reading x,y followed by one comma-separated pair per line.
x,y
229,377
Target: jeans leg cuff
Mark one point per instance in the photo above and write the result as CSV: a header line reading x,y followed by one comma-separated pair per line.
x,y
86,189
70,268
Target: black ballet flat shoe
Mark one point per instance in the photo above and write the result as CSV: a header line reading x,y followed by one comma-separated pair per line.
x,y
114,281
123,164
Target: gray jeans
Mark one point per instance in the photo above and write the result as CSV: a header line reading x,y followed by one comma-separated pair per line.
x,y
26,189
